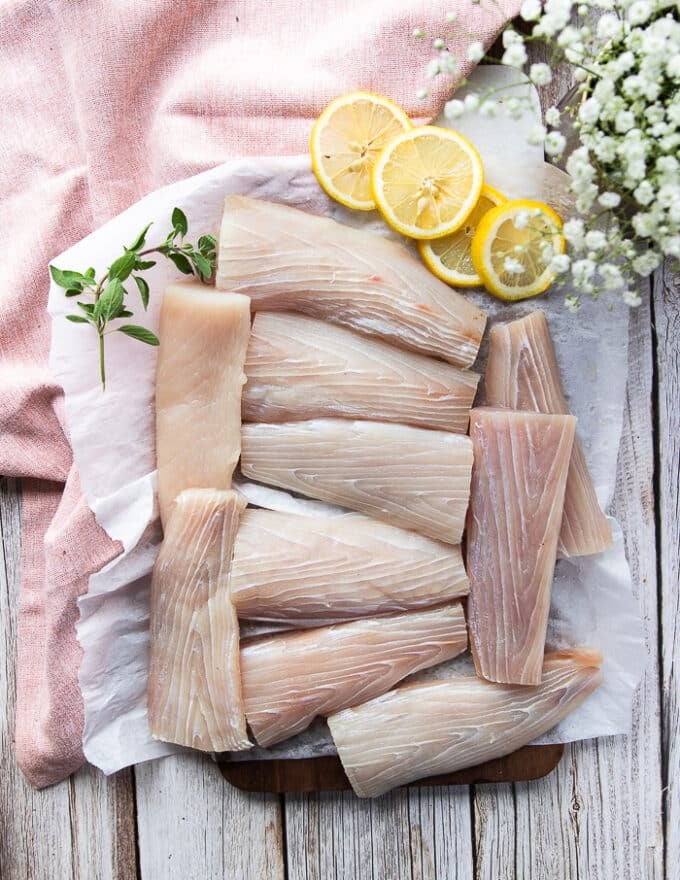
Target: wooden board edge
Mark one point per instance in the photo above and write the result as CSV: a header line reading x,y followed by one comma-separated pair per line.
x,y
327,774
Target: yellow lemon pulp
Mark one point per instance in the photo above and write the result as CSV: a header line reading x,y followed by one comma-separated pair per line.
x,y
449,257
346,140
427,181
512,236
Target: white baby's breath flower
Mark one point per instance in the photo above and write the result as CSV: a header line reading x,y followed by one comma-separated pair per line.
x,y
530,10
611,276
670,245
471,103
555,142
515,55
673,67
609,200
643,224
475,52
572,303
595,240
537,135
514,108
513,266
609,27
438,44
559,264
488,109
589,111
625,120
639,12
451,16
631,298
418,32
646,263
511,38
421,94
644,193
454,109
540,74
521,220
552,116
434,68
580,75
574,232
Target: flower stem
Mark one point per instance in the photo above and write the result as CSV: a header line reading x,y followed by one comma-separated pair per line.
x,y
102,367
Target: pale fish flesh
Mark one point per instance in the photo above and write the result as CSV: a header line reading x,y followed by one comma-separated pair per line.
x,y
522,373
301,368
199,378
194,689
406,476
290,679
516,499
289,260
430,728
306,570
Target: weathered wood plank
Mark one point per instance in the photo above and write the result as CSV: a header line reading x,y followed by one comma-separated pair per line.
x,y
599,815
82,828
192,823
667,321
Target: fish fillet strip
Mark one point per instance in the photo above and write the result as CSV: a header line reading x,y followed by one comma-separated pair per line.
x,y
309,570
199,378
290,679
288,260
422,730
516,500
301,368
194,689
522,373
406,476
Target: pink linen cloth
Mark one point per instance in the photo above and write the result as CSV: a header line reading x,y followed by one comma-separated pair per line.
x,y
103,102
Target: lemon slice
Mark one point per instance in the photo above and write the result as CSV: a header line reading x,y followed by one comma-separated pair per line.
x,y
426,181
507,248
346,140
449,257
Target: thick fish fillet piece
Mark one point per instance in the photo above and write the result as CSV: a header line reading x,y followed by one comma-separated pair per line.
x,y
301,368
406,476
194,692
435,727
522,373
307,570
516,500
288,260
289,679
199,377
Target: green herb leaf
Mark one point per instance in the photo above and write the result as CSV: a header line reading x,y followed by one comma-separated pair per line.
x,y
91,272
74,291
125,314
182,263
140,333
207,243
143,288
179,221
77,319
68,279
144,264
123,266
203,265
110,303
140,241
88,308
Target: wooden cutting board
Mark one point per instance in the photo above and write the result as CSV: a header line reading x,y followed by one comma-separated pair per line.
x,y
326,774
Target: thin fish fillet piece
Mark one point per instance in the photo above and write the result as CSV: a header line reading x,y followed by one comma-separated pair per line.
x,y
405,476
425,729
516,500
288,260
522,373
290,679
199,378
194,690
301,368
306,570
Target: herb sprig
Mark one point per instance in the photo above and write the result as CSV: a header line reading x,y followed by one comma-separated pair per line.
x,y
103,300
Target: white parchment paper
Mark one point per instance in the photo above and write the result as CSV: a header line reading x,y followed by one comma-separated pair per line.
x,y
112,434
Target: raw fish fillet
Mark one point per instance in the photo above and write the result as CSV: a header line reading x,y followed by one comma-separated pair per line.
x,y
300,368
435,727
406,476
310,570
288,260
194,692
199,377
289,679
522,373
516,499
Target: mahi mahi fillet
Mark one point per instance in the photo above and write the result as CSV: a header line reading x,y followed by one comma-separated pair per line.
x,y
522,373
289,679
194,690
406,476
302,570
286,259
301,368
422,730
516,500
199,377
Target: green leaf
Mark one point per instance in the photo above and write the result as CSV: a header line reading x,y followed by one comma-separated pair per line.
x,y
88,308
74,291
143,288
203,265
122,267
69,279
207,243
77,319
188,248
179,221
140,333
182,263
110,303
144,264
125,314
90,272
140,241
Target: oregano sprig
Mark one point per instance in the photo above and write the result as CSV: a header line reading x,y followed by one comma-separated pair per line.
x,y
103,300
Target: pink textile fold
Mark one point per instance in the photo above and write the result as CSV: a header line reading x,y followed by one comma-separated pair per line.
x,y
101,104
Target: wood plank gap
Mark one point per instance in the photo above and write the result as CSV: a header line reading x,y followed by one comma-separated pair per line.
x,y
138,863
284,841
